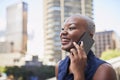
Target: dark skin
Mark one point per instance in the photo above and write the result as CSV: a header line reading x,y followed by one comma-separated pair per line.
x,y
72,30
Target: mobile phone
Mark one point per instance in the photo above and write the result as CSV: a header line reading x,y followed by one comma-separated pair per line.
x,y
87,41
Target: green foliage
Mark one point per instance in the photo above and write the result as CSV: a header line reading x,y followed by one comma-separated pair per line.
x,y
109,54
2,69
46,71
23,73
16,71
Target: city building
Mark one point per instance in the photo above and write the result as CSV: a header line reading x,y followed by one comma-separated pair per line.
x,y
55,12
4,47
16,34
12,59
3,44
106,40
34,62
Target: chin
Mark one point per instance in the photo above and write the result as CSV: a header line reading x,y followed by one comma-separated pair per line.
x,y
67,48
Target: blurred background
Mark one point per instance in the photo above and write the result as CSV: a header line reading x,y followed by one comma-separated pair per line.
x,y
29,35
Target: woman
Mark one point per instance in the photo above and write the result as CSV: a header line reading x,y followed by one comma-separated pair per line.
x,y
79,65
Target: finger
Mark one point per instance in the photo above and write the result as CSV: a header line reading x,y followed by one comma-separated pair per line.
x,y
77,47
82,44
74,52
71,57
82,48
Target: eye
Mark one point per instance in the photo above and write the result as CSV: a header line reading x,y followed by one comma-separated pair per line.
x,y
72,28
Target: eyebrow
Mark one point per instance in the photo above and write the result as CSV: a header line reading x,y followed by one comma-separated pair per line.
x,y
68,24
71,24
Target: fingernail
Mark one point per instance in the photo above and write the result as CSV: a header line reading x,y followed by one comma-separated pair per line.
x,y
74,42
81,42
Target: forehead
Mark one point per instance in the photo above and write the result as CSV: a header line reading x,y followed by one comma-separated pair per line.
x,y
74,20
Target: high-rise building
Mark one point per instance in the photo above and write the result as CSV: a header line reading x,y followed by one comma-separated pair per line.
x,y
16,34
4,47
55,12
106,40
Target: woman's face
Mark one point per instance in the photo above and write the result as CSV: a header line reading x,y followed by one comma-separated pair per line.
x,y
72,30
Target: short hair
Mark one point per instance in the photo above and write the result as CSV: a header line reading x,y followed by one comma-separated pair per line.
x,y
89,21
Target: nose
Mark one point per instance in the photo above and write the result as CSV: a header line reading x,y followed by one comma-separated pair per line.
x,y
63,32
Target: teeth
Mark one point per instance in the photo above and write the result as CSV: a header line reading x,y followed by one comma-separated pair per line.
x,y
65,40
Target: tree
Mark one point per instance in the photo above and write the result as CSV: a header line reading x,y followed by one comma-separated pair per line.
x,y
109,54
2,69
23,73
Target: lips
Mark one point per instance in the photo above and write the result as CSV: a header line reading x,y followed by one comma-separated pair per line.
x,y
65,41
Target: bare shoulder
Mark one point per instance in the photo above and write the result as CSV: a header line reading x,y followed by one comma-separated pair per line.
x,y
105,72
56,69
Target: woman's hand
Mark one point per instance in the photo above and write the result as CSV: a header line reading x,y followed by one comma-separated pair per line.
x,y
78,60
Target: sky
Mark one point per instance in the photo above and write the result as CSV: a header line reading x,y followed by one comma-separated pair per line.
x,y
106,17
35,23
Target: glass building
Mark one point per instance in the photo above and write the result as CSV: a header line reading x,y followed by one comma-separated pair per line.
x,y
106,40
55,12
16,34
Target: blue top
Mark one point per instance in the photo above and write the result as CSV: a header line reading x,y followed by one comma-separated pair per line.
x,y
92,64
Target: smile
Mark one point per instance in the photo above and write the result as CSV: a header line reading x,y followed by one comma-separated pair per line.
x,y
65,41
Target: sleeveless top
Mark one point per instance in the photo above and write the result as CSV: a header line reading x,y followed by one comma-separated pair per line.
x,y
92,64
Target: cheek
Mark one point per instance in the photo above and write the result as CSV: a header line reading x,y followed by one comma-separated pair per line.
x,y
60,34
75,37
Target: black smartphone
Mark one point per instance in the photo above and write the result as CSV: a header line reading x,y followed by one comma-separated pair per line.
x,y
87,41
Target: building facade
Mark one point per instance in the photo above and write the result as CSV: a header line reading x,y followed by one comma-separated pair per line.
x,y
106,40
16,34
55,13
4,47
